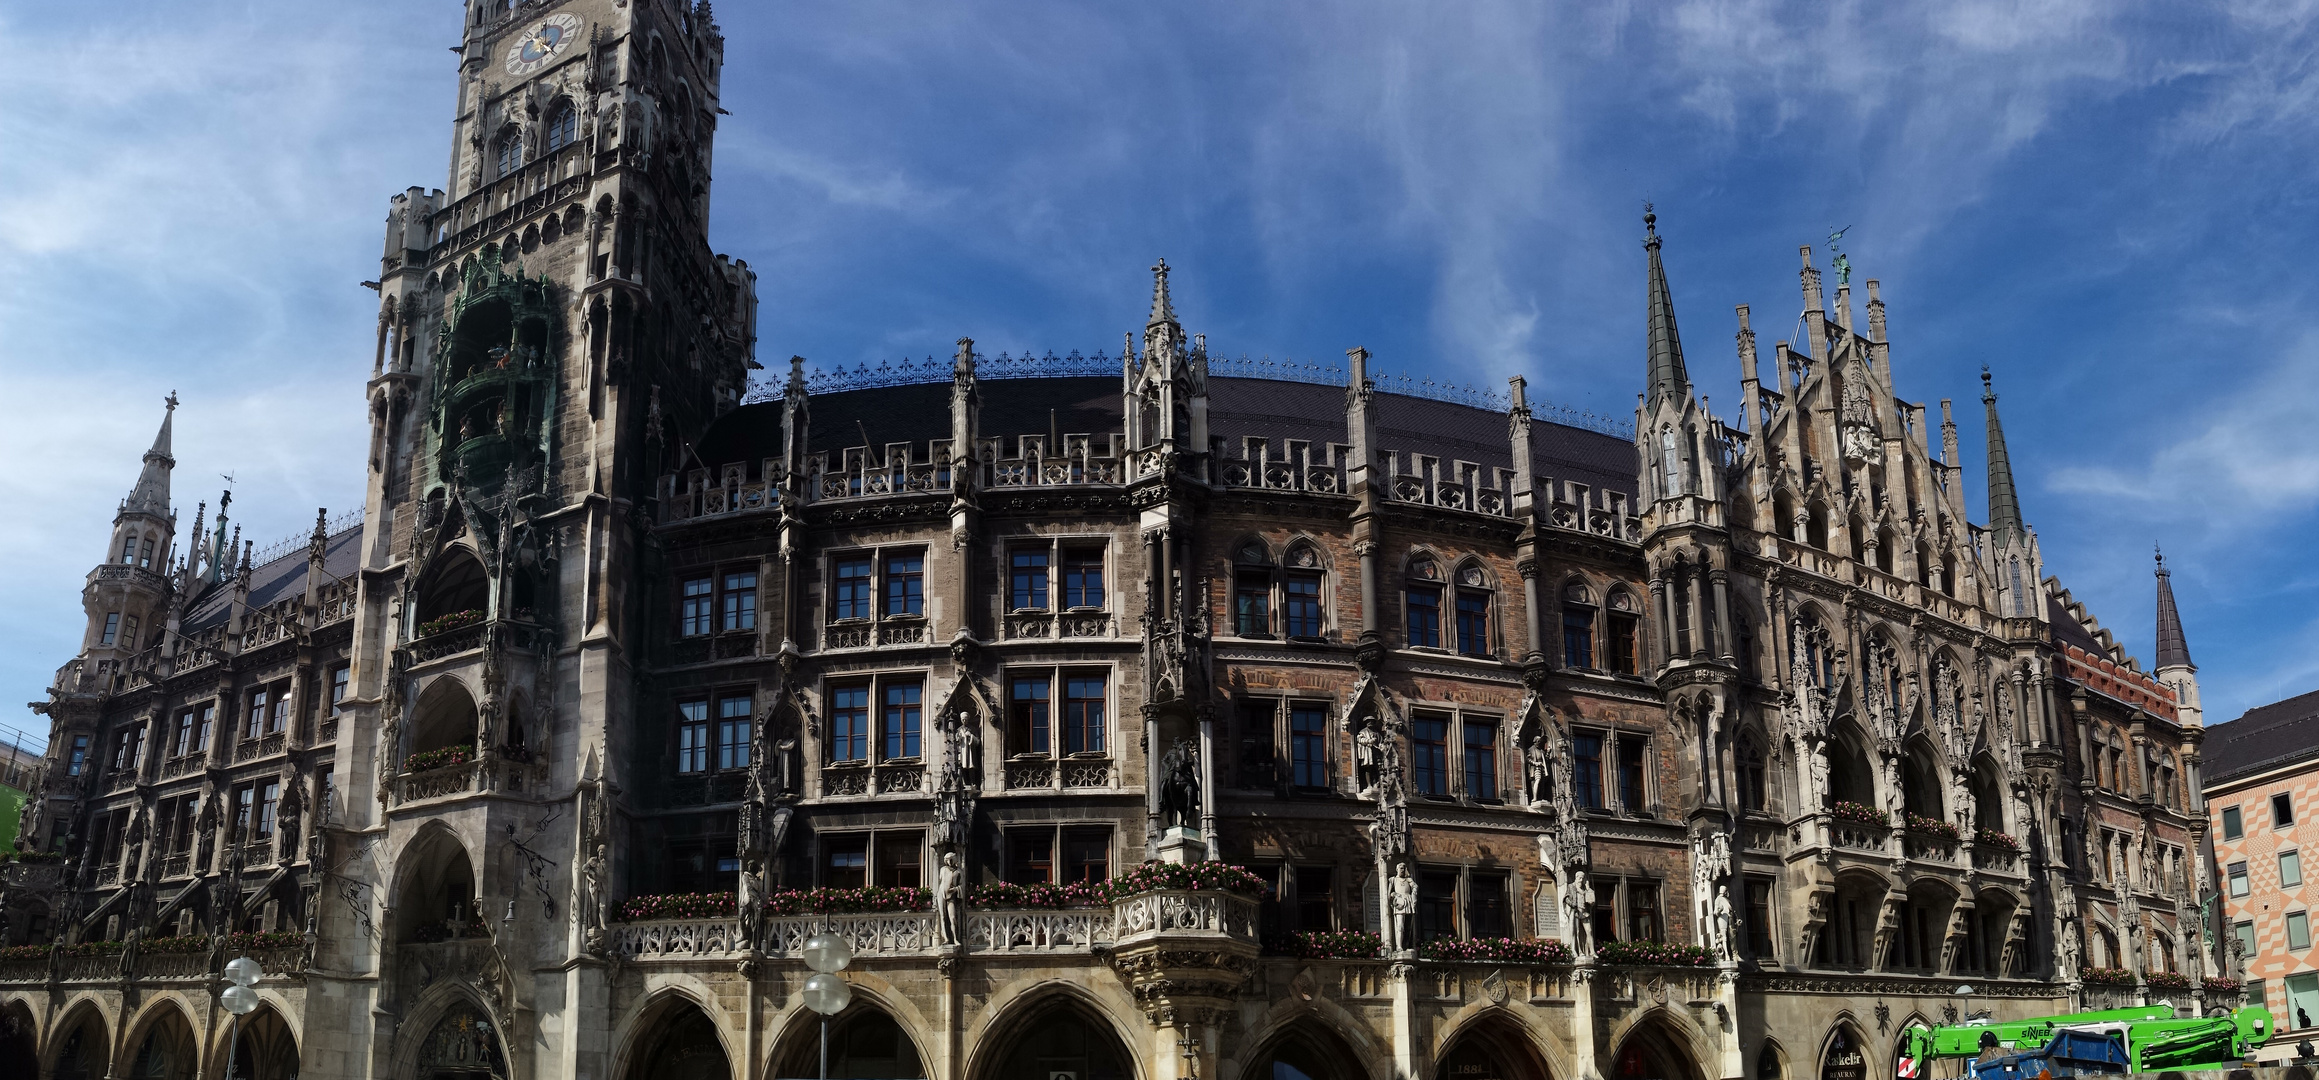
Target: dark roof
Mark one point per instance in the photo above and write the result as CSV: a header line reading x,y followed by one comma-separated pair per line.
x,y
1237,409
2266,737
282,577
2173,647
2066,628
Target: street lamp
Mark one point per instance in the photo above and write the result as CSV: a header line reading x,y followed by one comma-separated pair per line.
x,y
825,993
239,1000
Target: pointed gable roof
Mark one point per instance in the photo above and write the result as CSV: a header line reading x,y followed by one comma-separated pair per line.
x,y
151,495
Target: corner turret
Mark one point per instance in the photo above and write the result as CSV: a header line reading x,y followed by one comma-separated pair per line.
x,y
2175,668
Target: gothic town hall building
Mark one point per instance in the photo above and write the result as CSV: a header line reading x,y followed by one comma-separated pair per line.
x,y
1553,748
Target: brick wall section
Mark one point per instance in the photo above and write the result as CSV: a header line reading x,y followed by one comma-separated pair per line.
x,y
2268,902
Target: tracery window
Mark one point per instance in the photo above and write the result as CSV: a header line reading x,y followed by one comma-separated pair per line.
x,y
563,125
1577,627
1422,605
507,152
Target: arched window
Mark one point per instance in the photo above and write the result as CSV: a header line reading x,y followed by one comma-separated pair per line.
x,y
1671,464
507,152
1252,590
1752,795
562,127
2111,957
1421,604
1473,611
1577,627
1303,617
1625,646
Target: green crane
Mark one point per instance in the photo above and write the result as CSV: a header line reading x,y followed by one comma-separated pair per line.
x,y
2152,1037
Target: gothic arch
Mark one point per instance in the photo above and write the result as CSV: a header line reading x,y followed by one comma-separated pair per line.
x,y
1851,768
1663,1044
870,1040
1299,547
1016,1012
1843,1038
161,1043
433,871
1251,550
1771,1061
676,1035
1308,1046
79,1046
448,1030
445,715
455,581
19,1040
1922,768
1516,1040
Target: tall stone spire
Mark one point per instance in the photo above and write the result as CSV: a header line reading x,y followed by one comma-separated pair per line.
x,y
151,495
2004,501
1163,309
2173,648
1667,376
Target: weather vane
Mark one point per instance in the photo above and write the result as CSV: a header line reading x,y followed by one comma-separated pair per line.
x,y
1842,264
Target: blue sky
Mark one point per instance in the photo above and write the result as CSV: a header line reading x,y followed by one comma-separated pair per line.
x,y
2108,203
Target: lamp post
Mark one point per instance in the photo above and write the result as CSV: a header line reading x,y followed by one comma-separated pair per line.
x,y
825,993
239,1000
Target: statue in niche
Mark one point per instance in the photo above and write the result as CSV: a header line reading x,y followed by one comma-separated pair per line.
x,y
752,900
1722,936
1536,784
1366,756
949,897
591,906
1180,786
1580,902
1402,927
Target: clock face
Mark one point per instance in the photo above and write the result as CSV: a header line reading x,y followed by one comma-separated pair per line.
x,y
533,48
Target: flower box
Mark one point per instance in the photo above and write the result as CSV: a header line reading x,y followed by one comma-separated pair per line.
x,y
92,948
2216,984
1653,953
250,941
1007,894
1188,877
174,946
1934,827
457,620
437,759
2095,976
1859,814
869,899
33,858
24,952
1498,950
678,906
2167,980
2002,841
1332,945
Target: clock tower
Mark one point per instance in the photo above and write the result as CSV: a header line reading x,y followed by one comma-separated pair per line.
x,y
551,318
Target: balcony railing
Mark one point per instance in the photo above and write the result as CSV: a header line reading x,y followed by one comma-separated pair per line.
x,y
448,643
1039,930
679,939
122,779
177,864
1217,915
1857,837
435,783
253,749
885,934
29,970
1195,918
1059,774
190,763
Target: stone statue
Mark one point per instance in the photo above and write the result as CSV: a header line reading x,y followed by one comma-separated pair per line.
x,y
949,898
1580,900
752,901
591,906
1722,942
969,745
2067,967
785,765
1403,889
1365,757
1180,790
286,816
1534,771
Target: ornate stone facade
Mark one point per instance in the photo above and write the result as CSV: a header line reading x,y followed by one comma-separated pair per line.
x,y
1685,750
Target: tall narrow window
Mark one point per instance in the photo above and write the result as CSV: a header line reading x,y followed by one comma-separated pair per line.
x,y
2290,868
1586,769
734,732
79,760
1423,605
1316,898
692,737
1481,761
2282,810
1671,461
1473,622
852,595
2233,825
202,725
145,557
2238,879
340,680
1429,738
906,584
1625,635
901,857
1083,722
741,600
904,722
1643,911
508,151
1436,905
112,631
1300,592
1083,577
129,632
563,124
1630,772
129,548
1028,719
1257,754
278,716
1759,942
1030,579
695,615
1751,774
847,865
1486,912
269,797
1031,856
1308,744
256,725
1252,603
849,723
181,741
1087,854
